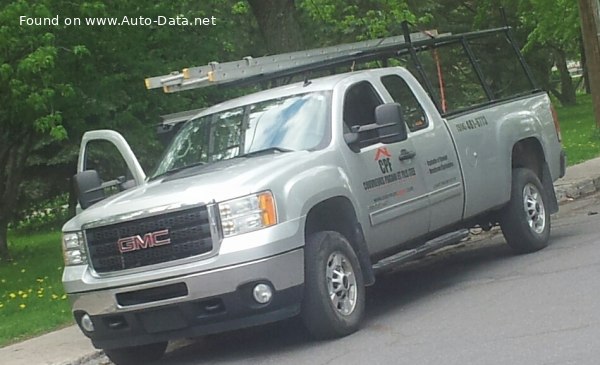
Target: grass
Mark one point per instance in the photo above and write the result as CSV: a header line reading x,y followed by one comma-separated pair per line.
x,y
581,140
32,299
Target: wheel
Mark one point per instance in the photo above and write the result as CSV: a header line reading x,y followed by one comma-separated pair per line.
x,y
334,292
137,354
525,222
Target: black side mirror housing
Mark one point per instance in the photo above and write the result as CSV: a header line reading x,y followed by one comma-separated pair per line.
x,y
389,127
392,127
88,187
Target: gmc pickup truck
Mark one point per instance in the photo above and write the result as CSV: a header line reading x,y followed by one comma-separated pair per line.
x,y
288,201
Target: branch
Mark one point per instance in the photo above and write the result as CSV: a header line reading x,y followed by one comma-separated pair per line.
x,y
469,7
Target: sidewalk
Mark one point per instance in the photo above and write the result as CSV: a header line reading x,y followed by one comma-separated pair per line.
x,y
69,346
580,180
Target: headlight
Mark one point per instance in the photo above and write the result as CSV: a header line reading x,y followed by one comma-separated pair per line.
x,y
247,214
73,248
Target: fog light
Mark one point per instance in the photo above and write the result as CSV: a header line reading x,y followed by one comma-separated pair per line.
x,y
262,293
86,323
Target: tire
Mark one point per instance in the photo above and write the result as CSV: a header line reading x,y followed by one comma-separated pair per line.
x,y
525,220
137,354
333,305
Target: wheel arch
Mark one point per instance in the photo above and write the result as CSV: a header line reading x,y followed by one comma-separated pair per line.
x,y
529,153
338,214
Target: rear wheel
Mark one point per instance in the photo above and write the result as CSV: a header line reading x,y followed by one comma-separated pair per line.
x,y
137,354
525,221
334,292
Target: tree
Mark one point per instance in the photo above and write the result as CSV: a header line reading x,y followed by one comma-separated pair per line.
x,y
29,93
58,81
337,21
542,28
278,23
589,27
555,28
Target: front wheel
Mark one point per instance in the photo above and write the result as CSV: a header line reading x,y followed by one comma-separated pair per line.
x,y
525,221
138,354
334,291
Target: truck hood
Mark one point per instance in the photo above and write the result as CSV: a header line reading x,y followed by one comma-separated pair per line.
x,y
204,184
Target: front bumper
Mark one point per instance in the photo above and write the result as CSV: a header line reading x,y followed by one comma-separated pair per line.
x,y
193,305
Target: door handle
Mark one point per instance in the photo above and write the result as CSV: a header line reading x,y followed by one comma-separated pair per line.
x,y
406,155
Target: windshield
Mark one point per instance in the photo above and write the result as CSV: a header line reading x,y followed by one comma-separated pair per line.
x,y
291,123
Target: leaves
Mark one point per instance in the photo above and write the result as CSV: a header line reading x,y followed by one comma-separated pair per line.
x,y
56,82
553,23
338,21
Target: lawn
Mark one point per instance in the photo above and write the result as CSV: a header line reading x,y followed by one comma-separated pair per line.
x,y
32,299
581,140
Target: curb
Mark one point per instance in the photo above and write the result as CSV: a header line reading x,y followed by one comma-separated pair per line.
x,y
568,191
86,358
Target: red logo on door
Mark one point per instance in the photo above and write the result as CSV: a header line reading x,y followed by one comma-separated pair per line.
x,y
382,152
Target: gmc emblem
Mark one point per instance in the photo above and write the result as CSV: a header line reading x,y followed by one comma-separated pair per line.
x,y
152,239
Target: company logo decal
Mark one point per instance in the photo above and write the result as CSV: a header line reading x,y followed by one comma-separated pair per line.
x,y
382,152
382,156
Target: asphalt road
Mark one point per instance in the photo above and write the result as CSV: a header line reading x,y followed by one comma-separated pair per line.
x,y
473,304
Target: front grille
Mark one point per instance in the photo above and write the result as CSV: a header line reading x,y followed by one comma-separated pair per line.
x,y
189,231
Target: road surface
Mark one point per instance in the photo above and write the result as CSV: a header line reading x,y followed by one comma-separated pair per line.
x,y
474,304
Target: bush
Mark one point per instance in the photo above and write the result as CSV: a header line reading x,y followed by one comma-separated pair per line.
x,y
44,216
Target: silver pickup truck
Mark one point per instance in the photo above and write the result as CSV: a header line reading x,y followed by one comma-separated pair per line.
x,y
288,201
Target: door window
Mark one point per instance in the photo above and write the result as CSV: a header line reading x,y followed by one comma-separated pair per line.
x,y
360,102
105,158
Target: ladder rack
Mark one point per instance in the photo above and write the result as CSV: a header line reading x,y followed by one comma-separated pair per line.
x,y
255,70
251,70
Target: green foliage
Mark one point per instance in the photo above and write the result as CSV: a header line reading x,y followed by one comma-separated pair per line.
x,y
547,31
43,215
554,23
30,88
56,82
32,299
343,21
581,140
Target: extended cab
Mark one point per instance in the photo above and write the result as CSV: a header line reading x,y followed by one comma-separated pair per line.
x,y
288,201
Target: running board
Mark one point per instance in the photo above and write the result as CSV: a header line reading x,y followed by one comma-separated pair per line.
x,y
448,239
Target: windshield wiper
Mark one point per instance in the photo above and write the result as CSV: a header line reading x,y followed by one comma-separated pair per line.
x,y
265,151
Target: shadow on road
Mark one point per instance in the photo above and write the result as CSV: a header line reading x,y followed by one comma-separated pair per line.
x,y
406,286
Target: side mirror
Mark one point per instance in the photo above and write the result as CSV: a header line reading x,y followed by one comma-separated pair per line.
x,y
392,127
88,187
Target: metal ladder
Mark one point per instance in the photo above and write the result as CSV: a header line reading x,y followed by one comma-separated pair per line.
x,y
252,70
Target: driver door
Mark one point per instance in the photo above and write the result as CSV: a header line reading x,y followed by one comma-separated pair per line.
x,y
389,182
106,165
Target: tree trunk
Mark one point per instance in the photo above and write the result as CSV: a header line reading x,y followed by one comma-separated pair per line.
x,y
12,163
584,69
588,11
278,24
4,252
72,199
567,90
